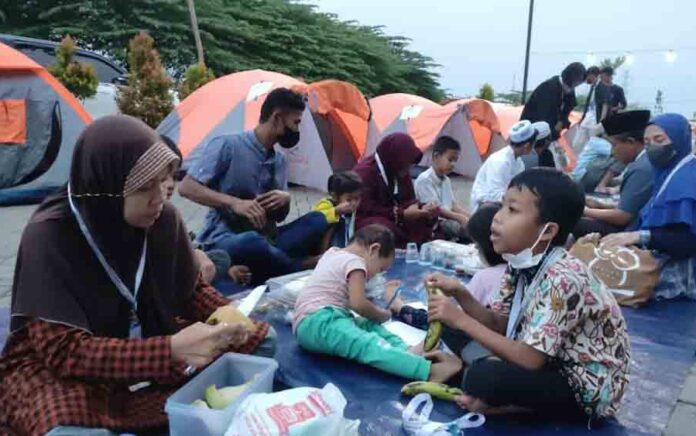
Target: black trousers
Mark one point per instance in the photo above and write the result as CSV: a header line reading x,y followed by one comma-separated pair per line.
x,y
499,383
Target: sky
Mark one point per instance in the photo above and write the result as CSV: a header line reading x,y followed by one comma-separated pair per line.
x,y
478,41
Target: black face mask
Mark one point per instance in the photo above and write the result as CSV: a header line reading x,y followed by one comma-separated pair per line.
x,y
660,155
289,138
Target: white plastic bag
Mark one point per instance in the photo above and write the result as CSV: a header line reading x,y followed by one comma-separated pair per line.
x,y
294,412
417,423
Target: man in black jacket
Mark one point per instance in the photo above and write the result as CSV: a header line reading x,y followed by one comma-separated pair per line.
x,y
610,98
554,98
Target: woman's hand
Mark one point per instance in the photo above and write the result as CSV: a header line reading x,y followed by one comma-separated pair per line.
x,y
441,308
199,344
414,213
432,210
450,286
624,239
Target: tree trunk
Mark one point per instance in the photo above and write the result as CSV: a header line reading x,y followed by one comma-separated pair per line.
x,y
196,32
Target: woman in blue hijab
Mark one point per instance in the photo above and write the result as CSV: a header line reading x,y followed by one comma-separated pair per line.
x,y
668,220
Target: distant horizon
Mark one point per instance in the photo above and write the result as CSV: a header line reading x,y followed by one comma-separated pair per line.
x,y
559,37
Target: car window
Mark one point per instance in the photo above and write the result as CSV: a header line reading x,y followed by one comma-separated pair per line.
x,y
45,57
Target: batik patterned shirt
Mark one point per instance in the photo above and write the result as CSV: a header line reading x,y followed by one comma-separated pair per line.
x,y
576,322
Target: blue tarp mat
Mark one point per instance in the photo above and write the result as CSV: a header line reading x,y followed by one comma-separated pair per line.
x,y
663,338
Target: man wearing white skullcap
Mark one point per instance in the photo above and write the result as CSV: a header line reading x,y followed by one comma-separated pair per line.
x,y
498,170
542,156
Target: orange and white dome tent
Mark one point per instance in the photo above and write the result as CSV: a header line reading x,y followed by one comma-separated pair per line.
x,y
333,131
471,122
40,122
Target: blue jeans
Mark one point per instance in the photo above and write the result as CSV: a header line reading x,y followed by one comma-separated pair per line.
x,y
295,242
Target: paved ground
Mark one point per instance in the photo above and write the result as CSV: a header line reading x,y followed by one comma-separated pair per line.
x,y
13,220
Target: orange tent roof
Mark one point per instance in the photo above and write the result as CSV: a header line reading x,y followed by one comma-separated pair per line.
x,y
482,120
481,111
345,105
327,95
386,108
14,60
507,116
11,59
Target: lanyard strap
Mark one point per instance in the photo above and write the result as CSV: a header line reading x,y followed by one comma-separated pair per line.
x,y
131,297
383,173
681,163
521,299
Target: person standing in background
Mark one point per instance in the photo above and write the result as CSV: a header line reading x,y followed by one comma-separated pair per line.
x,y
610,97
554,98
588,122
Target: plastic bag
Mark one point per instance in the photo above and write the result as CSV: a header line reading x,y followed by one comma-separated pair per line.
x,y
374,288
417,423
294,412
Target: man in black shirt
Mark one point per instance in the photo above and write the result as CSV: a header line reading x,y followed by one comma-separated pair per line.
x,y
554,98
610,98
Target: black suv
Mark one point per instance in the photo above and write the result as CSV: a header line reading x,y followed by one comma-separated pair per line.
x,y
43,52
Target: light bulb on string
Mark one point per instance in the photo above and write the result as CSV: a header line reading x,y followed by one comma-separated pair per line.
x,y
629,58
670,56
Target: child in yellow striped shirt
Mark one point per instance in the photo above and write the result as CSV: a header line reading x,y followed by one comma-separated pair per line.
x,y
339,208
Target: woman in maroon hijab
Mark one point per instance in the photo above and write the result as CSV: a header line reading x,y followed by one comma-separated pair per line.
x,y
106,296
388,197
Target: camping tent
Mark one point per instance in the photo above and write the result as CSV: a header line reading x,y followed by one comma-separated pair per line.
x,y
341,114
471,122
40,122
333,131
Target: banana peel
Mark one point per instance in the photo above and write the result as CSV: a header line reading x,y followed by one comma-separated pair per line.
x,y
220,398
436,390
432,337
231,315
200,404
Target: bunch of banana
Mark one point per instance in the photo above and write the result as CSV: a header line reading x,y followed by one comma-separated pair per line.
x,y
432,338
436,390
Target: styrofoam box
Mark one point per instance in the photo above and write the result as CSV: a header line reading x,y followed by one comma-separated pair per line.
x,y
231,369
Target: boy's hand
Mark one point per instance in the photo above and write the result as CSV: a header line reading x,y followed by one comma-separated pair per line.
x,y
391,286
345,208
440,308
450,286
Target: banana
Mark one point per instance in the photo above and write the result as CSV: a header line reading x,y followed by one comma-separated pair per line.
x,y
436,390
432,338
230,315
220,398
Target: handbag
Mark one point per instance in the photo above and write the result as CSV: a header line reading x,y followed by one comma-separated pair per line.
x,y
629,272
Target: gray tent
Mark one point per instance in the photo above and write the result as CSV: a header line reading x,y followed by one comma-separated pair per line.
x,y
40,122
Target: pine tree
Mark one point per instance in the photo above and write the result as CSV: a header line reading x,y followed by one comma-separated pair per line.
x,y
486,92
147,95
279,35
78,77
196,76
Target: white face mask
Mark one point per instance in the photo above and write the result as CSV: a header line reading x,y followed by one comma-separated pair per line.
x,y
526,258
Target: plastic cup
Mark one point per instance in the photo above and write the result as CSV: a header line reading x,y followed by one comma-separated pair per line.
x,y
412,252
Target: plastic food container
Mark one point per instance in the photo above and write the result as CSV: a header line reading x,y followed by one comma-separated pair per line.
x,y
230,369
